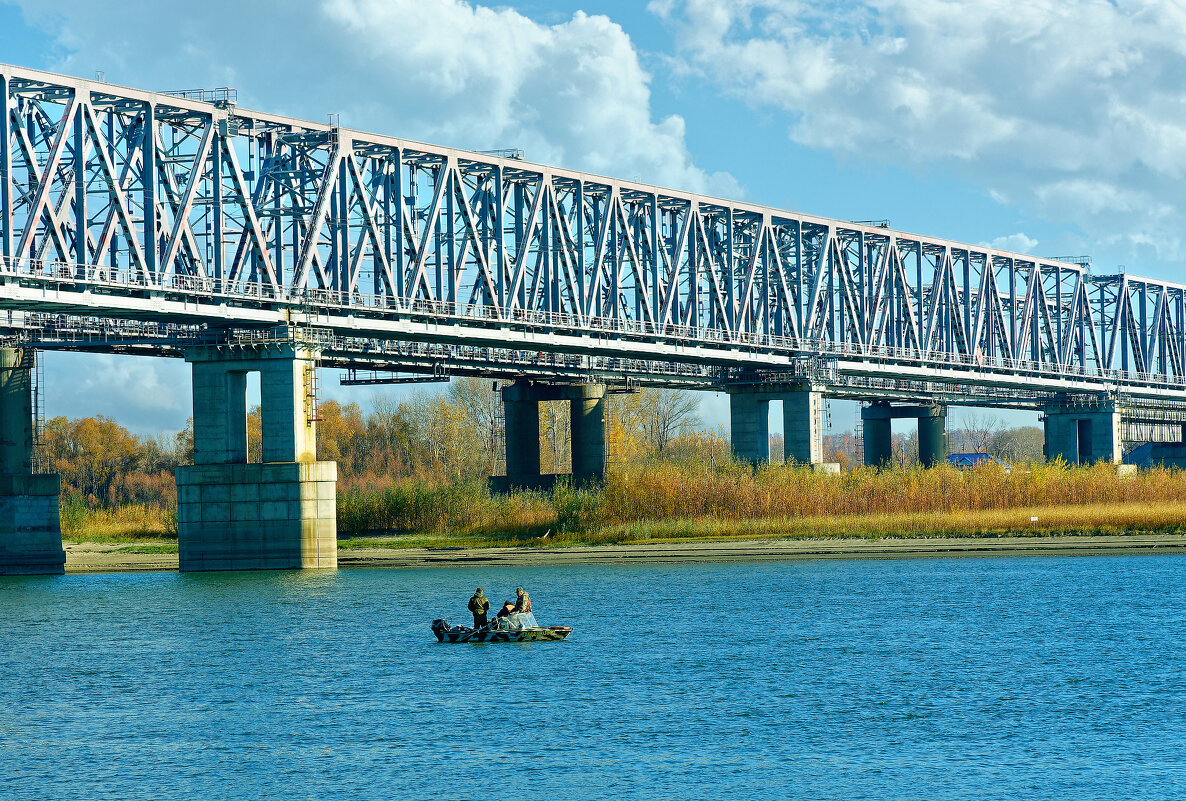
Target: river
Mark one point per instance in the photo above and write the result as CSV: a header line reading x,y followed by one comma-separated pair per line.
x,y
1016,677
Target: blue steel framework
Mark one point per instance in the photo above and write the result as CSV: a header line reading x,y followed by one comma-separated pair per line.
x,y
151,220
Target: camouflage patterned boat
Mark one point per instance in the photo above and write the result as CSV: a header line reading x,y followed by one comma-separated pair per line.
x,y
498,631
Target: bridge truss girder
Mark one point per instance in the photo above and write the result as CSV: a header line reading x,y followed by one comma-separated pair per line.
x,y
129,205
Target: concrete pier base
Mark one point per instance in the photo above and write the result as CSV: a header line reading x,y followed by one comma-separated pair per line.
x,y
30,528
235,515
1082,435
257,516
521,400
30,532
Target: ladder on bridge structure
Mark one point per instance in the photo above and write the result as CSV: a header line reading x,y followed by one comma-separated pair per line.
x,y
858,433
37,382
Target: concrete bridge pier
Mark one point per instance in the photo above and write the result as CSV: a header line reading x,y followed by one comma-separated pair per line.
x,y
1082,434
30,528
521,400
802,422
749,426
586,403
932,435
520,408
878,439
877,435
278,513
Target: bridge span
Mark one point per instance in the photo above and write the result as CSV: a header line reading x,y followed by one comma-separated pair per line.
x,y
179,224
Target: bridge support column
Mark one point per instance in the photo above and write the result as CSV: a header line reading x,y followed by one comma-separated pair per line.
x,y
276,514
30,531
521,433
802,422
587,431
1082,435
803,427
749,427
932,436
878,437
521,400
877,434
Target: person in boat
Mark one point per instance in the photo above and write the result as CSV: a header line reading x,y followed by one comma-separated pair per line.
x,y
501,619
521,615
478,605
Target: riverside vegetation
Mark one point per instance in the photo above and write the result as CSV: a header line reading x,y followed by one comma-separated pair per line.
x,y
412,473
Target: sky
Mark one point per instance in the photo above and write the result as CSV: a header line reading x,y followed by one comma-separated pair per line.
x,y
1052,127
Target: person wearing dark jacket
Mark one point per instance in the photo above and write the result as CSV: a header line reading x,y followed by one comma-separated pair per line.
x,y
479,604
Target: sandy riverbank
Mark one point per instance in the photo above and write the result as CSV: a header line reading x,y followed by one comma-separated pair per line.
x,y
98,558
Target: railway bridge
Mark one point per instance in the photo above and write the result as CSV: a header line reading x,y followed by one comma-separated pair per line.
x,y
178,224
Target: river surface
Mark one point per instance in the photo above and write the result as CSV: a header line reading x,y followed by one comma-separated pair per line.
x,y
984,678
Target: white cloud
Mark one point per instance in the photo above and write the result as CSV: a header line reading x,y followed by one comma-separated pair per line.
x,y
147,395
573,94
1070,106
1014,243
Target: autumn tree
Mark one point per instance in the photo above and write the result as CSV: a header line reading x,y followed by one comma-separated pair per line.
x,y
664,413
977,433
1018,445
340,433
483,406
101,462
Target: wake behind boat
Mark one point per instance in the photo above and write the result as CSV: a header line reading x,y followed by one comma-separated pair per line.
x,y
517,627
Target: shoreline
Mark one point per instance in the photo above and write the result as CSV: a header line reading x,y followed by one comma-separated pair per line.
x,y
99,558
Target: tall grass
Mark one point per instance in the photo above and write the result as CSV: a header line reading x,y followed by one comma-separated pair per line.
x,y
429,507
128,522
664,491
665,500
659,500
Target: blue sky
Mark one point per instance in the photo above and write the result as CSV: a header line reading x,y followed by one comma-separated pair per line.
x,y
1056,128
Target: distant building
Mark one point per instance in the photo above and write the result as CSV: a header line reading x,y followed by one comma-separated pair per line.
x,y
966,461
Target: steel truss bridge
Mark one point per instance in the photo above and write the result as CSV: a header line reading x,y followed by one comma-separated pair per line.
x,y
144,222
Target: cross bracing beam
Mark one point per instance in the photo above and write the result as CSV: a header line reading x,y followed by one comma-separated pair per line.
x,y
124,204
387,356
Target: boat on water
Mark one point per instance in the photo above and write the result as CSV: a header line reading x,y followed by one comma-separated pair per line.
x,y
518,627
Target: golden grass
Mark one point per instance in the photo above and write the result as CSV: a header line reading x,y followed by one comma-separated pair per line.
x,y
666,491
1130,518
659,501
129,523
1078,520
662,501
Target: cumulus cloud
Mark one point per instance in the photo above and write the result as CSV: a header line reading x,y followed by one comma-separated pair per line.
x,y
573,94
147,395
1069,107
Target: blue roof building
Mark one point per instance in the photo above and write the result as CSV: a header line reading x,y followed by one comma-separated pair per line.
x,y
965,461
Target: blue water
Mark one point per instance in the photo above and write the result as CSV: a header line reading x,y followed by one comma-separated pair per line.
x,y
1017,678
